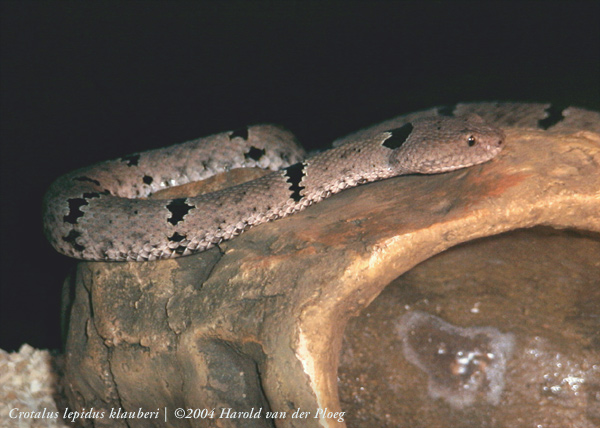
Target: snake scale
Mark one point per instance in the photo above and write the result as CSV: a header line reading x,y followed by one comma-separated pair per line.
x,y
102,212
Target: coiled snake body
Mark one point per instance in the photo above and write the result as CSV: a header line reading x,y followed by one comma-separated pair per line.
x,y
100,212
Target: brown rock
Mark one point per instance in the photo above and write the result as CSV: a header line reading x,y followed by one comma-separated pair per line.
x,y
259,322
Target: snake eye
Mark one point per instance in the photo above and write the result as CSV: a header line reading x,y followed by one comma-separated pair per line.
x,y
471,141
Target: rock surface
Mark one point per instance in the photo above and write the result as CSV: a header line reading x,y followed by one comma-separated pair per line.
x,y
539,284
259,322
28,387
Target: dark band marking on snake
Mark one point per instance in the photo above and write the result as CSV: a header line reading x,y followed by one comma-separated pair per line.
x,y
101,212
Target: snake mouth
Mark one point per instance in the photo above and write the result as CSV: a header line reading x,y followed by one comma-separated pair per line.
x,y
450,168
493,151
496,148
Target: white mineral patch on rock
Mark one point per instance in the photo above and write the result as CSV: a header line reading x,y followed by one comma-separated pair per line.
x,y
464,365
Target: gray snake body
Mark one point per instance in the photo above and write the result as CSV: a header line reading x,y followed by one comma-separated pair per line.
x,y
101,212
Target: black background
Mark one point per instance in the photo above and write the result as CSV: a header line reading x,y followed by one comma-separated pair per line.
x,y
84,82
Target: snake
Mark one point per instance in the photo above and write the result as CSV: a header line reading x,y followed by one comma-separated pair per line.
x,y
103,212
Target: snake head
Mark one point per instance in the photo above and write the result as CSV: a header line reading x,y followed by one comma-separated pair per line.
x,y
439,144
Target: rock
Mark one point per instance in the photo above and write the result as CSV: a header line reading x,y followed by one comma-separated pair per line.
x,y
28,384
538,285
258,323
